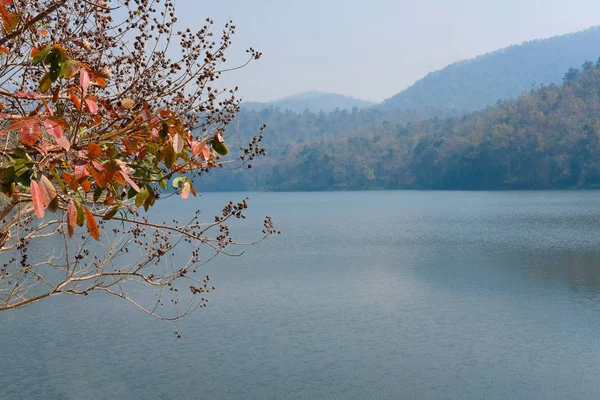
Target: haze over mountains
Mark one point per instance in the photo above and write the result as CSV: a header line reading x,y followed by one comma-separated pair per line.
x,y
380,146
314,101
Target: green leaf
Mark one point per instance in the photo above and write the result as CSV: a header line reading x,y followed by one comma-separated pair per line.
x,y
80,213
220,148
131,193
55,60
69,68
110,213
45,83
41,55
141,197
180,181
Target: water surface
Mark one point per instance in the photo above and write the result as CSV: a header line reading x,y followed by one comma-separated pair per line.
x,y
380,295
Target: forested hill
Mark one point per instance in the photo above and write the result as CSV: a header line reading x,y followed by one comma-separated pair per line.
x,y
548,138
479,82
314,101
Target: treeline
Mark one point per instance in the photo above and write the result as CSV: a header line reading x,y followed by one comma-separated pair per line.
x,y
547,138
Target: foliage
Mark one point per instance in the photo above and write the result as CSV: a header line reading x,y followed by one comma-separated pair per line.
x,y
99,116
547,138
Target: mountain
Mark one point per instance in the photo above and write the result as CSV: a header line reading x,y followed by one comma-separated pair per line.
x,y
314,101
545,139
474,84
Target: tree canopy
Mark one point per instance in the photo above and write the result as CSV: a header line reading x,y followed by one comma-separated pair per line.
x,y
106,108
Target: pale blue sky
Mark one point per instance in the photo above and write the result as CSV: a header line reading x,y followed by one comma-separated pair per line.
x,y
374,49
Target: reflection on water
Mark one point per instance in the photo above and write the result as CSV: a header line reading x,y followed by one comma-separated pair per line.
x,y
387,295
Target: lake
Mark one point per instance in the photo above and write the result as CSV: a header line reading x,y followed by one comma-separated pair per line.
x,y
364,295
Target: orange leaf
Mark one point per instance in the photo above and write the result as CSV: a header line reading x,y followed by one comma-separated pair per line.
x,y
100,178
119,179
85,185
71,218
4,49
94,151
76,101
37,198
91,224
43,32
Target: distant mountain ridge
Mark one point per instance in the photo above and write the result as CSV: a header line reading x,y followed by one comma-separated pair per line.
x,y
474,84
313,101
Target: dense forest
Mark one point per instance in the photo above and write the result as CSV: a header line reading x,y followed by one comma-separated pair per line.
x,y
546,138
474,84
429,136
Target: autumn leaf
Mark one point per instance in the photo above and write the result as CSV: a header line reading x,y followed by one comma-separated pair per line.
x,y
70,68
91,106
38,199
71,218
63,142
75,101
48,190
4,50
128,179
80,213
53,128
94,151
84,81
81,172
185,192
91,224
30,133
177,143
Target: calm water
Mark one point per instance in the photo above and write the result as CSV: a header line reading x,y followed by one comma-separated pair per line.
x,y
382,295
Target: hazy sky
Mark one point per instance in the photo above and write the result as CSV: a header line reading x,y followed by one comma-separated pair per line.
x,y
373,49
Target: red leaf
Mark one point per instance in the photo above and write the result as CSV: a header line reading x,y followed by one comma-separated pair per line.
x,y
94,151
91,105
30,133
71,218
205,153
130,181
63,142
6,2
38,199
4,49
84,80
43,32
17,125
81,172
53,129
28,95
91,224
48,190
197,147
